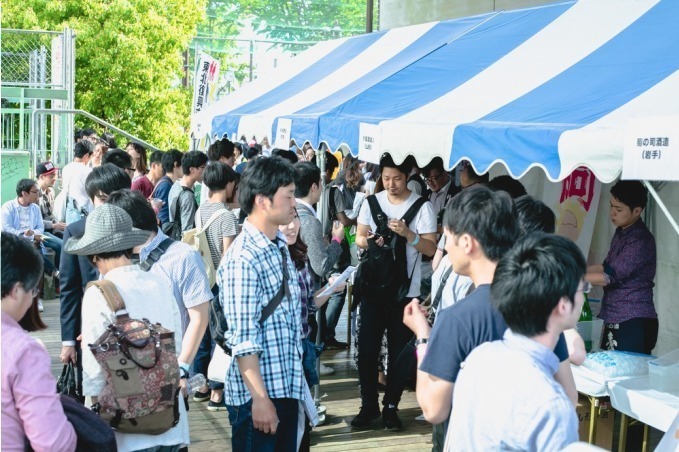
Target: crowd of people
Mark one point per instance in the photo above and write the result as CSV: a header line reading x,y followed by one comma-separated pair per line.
x,y
465,270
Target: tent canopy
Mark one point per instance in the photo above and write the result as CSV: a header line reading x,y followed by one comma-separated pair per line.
x,y
551,86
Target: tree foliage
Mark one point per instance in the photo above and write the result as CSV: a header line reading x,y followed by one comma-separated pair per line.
x,y
128,58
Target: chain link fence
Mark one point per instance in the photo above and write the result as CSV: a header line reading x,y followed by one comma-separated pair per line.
x,y
27,58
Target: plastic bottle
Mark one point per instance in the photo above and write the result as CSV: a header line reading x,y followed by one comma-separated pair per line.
x,y
196,382
586,316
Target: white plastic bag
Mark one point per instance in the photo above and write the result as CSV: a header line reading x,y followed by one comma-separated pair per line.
x,y
219,365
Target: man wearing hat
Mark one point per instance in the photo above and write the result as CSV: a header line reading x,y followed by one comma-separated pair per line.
x,y
108,242
46,173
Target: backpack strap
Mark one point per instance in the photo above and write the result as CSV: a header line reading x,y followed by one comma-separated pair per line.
x,y
158,185
442,285
413,209
155,254
212,218
375,210
284,290
110,292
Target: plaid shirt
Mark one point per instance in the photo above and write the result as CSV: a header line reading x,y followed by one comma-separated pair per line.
x,y
249,276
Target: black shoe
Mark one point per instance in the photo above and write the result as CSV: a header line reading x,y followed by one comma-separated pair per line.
x,y
216,406
202,396
364,418
390,419
334,344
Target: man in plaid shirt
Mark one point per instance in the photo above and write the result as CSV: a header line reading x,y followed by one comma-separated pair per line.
x,y
265,382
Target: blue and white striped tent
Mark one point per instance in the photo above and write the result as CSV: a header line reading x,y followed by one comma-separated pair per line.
x,y
551,86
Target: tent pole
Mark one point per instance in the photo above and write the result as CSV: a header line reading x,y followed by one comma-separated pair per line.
x,y
661,204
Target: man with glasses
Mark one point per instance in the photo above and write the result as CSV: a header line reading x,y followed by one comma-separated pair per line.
x,y
22,217
506,396
440,183
265,382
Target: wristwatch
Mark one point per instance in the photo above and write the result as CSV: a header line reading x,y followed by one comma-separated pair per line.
x,y
419,342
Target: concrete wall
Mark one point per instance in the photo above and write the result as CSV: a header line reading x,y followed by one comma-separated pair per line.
x,y
399,13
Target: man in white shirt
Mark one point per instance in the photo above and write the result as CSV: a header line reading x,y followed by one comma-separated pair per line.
x,y
73,181
380,310
506,397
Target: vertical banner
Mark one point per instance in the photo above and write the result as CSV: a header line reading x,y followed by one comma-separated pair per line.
x,y
575,201
205,81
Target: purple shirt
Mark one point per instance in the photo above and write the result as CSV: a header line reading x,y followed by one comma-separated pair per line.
x,y
630,266
31,407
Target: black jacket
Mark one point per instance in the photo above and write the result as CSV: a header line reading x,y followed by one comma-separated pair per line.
x,y
74,274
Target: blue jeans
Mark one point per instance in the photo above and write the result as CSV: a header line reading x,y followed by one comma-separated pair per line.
x,y
204,353
245,438
332,311
54,243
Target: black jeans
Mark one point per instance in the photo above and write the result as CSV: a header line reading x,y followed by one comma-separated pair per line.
x,y
376,316
245,437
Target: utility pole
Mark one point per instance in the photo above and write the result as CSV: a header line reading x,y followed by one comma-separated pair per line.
x,y
369,16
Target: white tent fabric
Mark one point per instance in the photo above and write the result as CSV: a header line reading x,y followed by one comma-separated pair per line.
x,y
550,86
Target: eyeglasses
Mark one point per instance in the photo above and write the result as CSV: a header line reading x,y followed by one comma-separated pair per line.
x,y
433,179
586,287
35,192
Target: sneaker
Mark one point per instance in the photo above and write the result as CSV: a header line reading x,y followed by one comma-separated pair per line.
x,y
334,344
390,419
216,406
202,396
364,418
326,370
41,307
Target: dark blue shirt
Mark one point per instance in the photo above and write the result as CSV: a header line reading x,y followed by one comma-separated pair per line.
x,y
162,191
461,328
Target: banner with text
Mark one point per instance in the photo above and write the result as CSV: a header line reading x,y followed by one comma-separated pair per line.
x,y
651,149
369,143
205,81
575,201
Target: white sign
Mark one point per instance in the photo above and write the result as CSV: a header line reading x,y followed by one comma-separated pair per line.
x,y
205,81
369,142
652,149
283,133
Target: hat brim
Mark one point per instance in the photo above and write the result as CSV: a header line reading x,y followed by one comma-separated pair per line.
x,y
119,241
47,173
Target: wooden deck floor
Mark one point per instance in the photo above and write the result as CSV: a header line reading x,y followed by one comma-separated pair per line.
x,y
212,432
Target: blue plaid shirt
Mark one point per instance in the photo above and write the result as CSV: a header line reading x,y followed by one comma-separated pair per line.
x,y
249,276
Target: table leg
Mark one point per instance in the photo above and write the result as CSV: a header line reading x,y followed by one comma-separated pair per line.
x,y
622,441
644,444
593,418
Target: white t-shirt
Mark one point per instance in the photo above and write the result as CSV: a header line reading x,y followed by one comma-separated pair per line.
x,y
74,175
423,223
456,287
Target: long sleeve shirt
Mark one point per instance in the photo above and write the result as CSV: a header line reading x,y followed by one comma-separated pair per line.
x,y
31,407
630,267
322,255
17,219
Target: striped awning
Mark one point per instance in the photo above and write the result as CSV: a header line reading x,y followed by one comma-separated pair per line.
x,y
550,86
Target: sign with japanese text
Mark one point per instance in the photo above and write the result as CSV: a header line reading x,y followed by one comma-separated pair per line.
x,y
575,201
283,133
652,149
205,81
369,143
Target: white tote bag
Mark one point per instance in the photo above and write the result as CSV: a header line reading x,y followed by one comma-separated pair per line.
x,y
219,365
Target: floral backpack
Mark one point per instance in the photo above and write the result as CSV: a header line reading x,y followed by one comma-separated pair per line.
x,y
142,372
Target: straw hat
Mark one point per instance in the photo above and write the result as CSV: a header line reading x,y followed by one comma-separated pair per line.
x,y
108,228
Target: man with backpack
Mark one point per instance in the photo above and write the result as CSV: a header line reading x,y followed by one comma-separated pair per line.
x,y
397,227
216,229
182,199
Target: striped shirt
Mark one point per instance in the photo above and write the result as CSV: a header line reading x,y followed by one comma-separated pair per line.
x,y
225,225
183,268
249,276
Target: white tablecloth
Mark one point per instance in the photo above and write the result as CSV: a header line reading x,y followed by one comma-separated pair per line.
x,y
634,398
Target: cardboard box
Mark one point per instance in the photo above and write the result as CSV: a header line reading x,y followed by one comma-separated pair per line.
x,y
604,429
